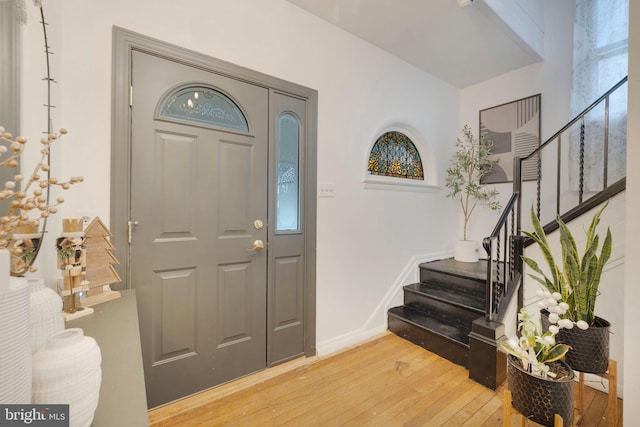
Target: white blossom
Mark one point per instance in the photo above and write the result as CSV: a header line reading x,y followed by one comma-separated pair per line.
x,y
565,323
582,324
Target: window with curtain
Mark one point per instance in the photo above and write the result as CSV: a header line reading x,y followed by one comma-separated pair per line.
x,y
600,52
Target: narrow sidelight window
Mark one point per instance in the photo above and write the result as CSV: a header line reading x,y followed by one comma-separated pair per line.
x,y
288,152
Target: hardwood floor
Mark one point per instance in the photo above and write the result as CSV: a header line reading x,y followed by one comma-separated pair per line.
x,y
385,382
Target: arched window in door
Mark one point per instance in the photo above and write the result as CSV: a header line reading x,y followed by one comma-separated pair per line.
x,y
395,155
203,105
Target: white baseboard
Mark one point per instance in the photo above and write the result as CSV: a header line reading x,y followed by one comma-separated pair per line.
x,y
347,340
377,321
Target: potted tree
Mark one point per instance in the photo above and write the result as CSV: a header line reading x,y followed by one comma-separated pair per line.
x,y
469,164
541,384
576,279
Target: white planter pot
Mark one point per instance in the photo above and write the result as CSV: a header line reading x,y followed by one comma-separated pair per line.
x,y
466,251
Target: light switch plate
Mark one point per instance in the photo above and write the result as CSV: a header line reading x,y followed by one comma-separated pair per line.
x,y
326,189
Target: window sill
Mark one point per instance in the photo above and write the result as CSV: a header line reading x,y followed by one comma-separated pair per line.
x,y
376,182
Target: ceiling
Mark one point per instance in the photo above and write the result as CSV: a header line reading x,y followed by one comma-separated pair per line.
x,y
460,45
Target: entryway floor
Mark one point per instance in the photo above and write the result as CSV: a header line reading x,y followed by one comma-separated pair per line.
x,y
387,381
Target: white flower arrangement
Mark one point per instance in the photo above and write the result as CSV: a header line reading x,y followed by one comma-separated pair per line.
x,y
552,302
534,348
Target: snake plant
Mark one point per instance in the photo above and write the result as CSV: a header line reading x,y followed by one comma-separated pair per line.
x,y
575,278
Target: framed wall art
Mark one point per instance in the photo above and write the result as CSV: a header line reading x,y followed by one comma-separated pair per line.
x,y
514,129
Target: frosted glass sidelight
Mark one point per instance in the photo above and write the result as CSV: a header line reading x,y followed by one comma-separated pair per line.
x,y
288,194
203,105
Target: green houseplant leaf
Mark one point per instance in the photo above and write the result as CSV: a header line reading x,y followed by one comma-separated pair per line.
x,y
469,164
576,278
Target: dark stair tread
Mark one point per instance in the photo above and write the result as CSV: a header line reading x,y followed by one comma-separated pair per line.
x,y
474,270
450,330
449,294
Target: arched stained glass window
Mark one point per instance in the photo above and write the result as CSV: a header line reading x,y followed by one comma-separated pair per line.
x,y
394,154
203,105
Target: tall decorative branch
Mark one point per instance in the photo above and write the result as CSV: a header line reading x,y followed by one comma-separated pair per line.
x,y
17,227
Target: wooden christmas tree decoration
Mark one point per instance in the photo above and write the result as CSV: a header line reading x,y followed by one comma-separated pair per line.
x,y
100,261
73,284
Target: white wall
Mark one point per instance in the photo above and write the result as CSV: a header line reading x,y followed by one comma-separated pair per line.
x,y
551,78
632,268
366,238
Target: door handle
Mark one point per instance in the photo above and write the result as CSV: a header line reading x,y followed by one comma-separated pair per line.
x,y
258,245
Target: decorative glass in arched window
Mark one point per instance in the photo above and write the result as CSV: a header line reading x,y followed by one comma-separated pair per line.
x,y
394,154
203,105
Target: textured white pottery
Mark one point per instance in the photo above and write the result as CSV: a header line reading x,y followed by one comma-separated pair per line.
x,y
46,313
15,336
67,371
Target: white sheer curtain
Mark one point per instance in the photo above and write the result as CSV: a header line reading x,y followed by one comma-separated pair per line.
x,y
600,52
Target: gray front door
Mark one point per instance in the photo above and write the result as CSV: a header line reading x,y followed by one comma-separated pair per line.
x,y
199,186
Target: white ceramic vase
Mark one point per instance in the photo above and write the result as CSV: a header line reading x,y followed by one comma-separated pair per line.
x,y
466,251
15,336
46,313
67,370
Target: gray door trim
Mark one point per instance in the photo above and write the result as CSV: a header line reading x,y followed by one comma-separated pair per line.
x,y
124,43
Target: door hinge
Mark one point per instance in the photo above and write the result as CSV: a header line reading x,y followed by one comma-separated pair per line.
x,y
130,96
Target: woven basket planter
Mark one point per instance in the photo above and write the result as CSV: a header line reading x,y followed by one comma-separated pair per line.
x,y
589,348
538,398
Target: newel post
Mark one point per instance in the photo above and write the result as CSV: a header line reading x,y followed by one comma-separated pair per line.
x,y
488,365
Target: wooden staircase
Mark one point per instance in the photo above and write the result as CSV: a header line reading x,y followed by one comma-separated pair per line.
x,y
438,313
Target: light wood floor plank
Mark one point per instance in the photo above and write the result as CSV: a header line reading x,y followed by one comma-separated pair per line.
x,y
320,391
411,377
365,380
391,377
387,381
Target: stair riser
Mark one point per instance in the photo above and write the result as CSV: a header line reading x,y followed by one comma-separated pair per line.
x,y
441,309
470,285
457,353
